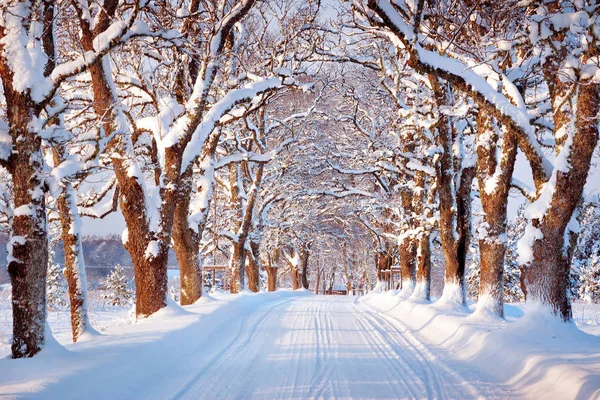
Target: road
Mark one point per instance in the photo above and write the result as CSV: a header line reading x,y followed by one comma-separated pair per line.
x,y
284,345
323,347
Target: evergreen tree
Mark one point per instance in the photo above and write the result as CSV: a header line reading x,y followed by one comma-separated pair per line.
x,y
512,274
56,287
473,271
589,290
584,268
117,292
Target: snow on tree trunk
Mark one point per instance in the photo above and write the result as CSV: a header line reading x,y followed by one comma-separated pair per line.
x,y
74,261
253,268
186,243
494,177
544,252
455,206
237,265
271,268
28,244
304,255
422,290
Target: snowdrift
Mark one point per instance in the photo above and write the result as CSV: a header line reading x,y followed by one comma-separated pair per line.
x,y
531,353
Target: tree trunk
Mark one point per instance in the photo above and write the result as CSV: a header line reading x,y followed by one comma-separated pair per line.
x,y
423,257
346,269
408,255
454,205
74,261
546,275
253,269
189,224
271,275
319,272
304,254
407,250
186,243
384,262
494,177
148,249
28,246
237,264
295,275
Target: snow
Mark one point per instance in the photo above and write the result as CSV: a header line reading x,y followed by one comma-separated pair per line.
x,y
152,250
531,354
294,345
5,141
212,117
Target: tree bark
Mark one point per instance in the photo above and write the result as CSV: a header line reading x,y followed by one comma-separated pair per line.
x,y
304,255
546,276
271,274
454,204
74,261
28,245
346,269
423,256
186,243
494,177
253,269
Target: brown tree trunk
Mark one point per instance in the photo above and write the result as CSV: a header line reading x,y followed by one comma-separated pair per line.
x,y
547,274
423,256
253,268
74,261
454,205
295,271
408,255
186,233
319,272
304,255
186,243
148,249
346,269
237,264
271,275
407,249
384,262
494,177
28,246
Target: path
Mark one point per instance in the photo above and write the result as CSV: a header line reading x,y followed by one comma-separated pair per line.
x,y
286,345
323,347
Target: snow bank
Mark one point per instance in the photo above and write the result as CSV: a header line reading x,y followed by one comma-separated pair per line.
x,y
531,353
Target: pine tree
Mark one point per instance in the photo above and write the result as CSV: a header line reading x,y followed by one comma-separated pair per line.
x,y
585,258
512,274
117,292
589,290
55,286
473,271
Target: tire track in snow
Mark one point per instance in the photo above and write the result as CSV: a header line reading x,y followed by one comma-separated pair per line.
x,y
382,349
397,344
407,339
232,351
324,347
320,382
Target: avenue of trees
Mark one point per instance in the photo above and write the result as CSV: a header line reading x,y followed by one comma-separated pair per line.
x,y
302,139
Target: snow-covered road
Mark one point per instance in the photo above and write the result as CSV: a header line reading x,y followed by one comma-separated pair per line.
x,y
319,347
268,346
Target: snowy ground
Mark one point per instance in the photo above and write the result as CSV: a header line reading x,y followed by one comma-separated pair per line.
x,y
294,345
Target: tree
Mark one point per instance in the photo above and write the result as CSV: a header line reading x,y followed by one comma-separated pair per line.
x,y
31,76
560,50
55,286
117,291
